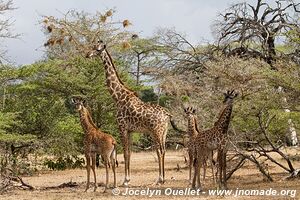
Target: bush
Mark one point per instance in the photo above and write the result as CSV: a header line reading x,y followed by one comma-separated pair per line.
x,y
62,163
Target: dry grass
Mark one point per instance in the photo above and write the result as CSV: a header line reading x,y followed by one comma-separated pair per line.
x,y
144,174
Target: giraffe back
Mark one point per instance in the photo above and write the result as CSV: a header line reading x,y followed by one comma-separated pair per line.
x,y
140,116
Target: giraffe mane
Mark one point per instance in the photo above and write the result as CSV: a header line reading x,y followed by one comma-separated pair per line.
x,y
118,77
90,118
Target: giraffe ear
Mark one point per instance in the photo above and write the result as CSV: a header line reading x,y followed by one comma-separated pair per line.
x,y
184,109
83,102
72,100
236,94
194,111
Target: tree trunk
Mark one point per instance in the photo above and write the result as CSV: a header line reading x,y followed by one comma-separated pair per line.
x,y
271,53
4,98
138,70
292,139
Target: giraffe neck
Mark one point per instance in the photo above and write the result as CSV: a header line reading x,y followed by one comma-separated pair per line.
x,y
86,120
224,118
192,127
116,87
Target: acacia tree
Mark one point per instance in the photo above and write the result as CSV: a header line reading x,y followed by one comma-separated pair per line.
x,y
252,30
76,32
5,25
293,42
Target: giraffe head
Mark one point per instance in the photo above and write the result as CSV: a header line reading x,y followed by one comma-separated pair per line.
x,y
190,112
97,49
229,96
79,103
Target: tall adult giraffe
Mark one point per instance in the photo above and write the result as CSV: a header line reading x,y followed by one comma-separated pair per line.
x,y
212,139
133,115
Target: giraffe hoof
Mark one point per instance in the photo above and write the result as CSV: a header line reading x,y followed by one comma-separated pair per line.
x,y
159,181
125,184
197,188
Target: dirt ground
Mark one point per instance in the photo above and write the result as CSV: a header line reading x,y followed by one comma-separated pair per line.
x,y
144,173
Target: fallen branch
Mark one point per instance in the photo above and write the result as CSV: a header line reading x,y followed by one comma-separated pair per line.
x,y
238,166
8,180
69,184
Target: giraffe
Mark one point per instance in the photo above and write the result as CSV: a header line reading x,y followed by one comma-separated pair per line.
x,y
193,131
212,139
133,115
95,141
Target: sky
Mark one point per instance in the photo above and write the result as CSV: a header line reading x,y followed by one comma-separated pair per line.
x,y
190,17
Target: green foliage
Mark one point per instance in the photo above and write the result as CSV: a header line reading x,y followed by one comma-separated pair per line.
x,y
66,162
17,138
185,98
65,137
165,100
7,120
36,106
41,93
148,95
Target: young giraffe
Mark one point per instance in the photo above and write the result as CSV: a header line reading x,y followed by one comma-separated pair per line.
x,y
214,139
133,115
96,141
193,131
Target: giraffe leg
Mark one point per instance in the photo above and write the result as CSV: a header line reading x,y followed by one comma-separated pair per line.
x,y
93,155
196,178
88,170
191,161
204,165
211,159
129,156
163,164
195,173
224,170
159,139
164,152
107,175
160,150
220,168
159,156
113,159
200,163
125,142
